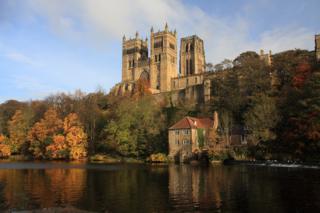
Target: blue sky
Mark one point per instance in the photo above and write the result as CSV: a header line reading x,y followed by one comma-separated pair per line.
x,y
50,46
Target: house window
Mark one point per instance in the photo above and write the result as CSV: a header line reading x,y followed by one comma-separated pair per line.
x,y
186,132
186,142
177,142
177,132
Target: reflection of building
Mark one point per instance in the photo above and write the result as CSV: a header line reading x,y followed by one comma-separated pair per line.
x,y
191,135
195,187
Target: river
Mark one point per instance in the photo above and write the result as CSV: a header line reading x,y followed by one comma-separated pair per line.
x,y
157,188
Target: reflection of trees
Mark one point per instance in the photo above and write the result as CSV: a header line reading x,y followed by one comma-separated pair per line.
x,y
129,189
41,188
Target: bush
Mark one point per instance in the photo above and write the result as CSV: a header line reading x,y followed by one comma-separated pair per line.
x,y
158,158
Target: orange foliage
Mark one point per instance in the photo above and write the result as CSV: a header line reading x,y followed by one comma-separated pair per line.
x,y
76,138
5,150
2,138
58,149
43,130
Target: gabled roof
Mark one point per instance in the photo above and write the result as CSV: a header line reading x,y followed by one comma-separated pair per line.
x,y
193,123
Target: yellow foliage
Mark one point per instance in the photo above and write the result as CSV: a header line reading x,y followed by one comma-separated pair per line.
x,y
76,138
159,157
78,152
70,121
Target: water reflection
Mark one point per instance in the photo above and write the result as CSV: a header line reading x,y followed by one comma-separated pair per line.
x,y
29,189
243,189
159,188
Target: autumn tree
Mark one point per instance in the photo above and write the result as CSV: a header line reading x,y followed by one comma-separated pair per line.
x,y
75,136
18,127
5,150
58,149
41,134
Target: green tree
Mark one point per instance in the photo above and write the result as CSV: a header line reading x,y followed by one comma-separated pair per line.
x,y
262,117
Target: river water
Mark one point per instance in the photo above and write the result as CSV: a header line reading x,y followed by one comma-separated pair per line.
x,y
157,188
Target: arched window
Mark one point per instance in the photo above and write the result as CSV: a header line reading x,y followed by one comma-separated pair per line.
x,y
187,68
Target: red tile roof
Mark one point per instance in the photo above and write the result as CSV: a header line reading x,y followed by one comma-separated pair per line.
x,y
193,123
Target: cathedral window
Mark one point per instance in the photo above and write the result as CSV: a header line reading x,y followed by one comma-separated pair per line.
x,y
157,44
187,68
172,46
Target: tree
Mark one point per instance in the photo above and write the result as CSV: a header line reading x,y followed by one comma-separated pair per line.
x,y
75,137
7,110
18,127
41,134
135,127
58,149
262,117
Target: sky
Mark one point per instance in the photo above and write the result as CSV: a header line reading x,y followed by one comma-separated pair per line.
x,y
51,46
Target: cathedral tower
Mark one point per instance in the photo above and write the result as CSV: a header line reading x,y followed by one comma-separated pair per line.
x,y
134,54
163,59
192,57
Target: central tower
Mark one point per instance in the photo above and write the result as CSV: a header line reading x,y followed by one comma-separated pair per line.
x,y
163,59
192,58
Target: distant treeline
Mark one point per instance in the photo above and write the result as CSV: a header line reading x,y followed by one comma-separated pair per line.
x,y
278,105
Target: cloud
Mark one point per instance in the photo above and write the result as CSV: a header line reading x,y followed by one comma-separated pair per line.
x,y
101,22
21,58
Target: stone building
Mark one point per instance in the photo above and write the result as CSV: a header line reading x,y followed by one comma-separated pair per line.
x,y
266,57
190,136
135,61
317,46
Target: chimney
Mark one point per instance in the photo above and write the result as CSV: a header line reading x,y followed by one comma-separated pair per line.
x,y
215,120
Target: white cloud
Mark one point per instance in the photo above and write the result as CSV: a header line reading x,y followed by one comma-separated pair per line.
x,y
21,58
100,21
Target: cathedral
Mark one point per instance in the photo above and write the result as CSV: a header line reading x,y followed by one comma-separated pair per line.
x,y
160,66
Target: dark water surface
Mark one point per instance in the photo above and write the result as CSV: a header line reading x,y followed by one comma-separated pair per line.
x,y
158,188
